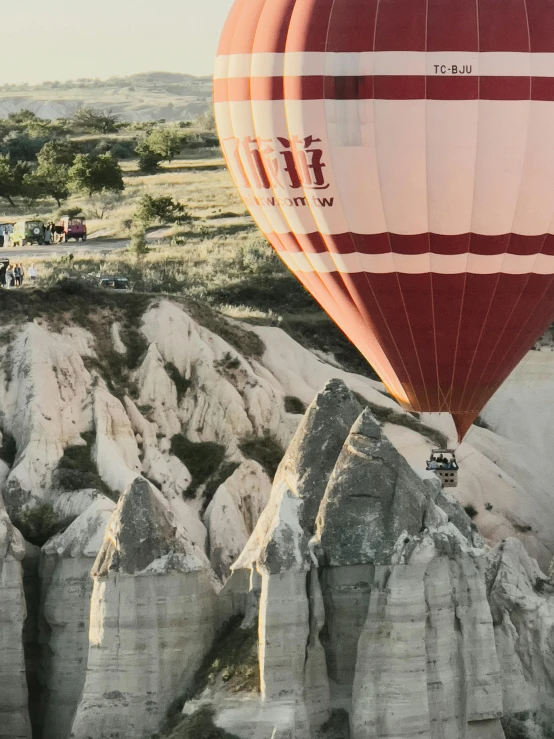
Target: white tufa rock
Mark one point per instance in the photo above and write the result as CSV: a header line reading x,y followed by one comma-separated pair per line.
x,y
45,406
14,713
66,588
117,342
234,512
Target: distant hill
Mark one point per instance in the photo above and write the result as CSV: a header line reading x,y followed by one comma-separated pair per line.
x,y
139,97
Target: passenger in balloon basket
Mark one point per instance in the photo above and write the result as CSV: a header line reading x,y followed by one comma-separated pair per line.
x,y
438,461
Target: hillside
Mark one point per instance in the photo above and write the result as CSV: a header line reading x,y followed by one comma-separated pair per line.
x,y
140,97
139,437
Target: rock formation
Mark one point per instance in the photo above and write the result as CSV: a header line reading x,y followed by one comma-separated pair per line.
x,y
14,715
233,513
66,588
382,613
379,599
153,619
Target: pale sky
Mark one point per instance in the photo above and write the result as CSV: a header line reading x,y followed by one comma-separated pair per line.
x,y
66,39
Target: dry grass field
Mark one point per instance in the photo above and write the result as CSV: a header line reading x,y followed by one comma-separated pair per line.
x,y
201,183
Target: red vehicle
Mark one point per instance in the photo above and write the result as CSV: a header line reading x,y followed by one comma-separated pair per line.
x,y
73,227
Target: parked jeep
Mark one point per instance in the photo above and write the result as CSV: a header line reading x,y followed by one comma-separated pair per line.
x,y
28,232
70,227
114,282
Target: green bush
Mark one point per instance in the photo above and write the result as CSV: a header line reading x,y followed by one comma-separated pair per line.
x,y
337,726
294,405
138,245
41,523
77,470
471,510
202,459
162,209
199,725
149,161
389,415
8,450
234,658
180,382
265,450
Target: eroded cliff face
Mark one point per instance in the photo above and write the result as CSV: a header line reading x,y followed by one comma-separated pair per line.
x,y
381,612
66,588
375,603
14,713
151,619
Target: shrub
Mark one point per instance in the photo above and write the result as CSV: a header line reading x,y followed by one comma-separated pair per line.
x,y
389,415
199,725
294,405
137,244
337,725
218,478
8,450
521,725
265,450
77,470
162,209
481,423
41,523
149,161
471,510
234,658
202,459
228,363
180,382
521,528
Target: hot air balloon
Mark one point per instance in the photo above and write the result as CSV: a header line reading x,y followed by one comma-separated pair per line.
x,y
399,157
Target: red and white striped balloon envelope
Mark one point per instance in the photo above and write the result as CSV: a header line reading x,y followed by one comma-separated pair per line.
x,y
399,156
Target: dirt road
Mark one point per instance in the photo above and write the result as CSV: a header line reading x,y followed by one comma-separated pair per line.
x,y
96,245
92,246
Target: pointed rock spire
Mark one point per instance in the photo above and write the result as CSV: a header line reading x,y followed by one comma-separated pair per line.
x,y
143,529
372,497
280,539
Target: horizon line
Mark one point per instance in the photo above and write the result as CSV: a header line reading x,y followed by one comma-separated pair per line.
x,y
13,85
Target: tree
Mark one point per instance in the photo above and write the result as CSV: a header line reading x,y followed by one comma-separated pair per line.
x,y
161,144
90,173
165,141
59,152
12,177
96,121
31,189
149,161
137,244
53,180
54,161
161,209
22,147
23,117
206,121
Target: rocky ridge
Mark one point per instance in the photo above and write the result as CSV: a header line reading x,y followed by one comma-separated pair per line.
x,y
140,97
156,465
381,608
